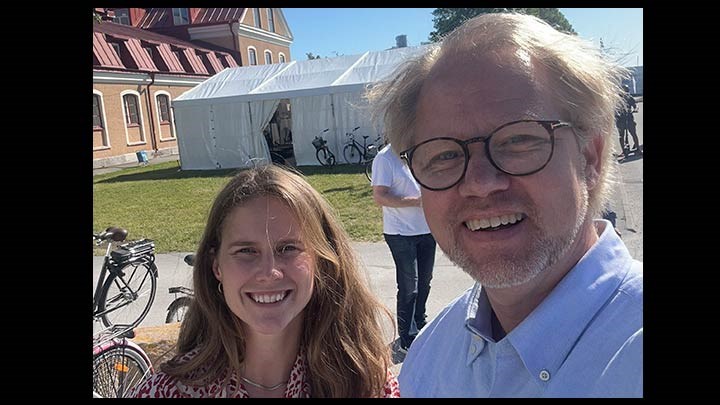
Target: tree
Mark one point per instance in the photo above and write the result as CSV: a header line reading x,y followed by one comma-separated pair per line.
x,y
447,19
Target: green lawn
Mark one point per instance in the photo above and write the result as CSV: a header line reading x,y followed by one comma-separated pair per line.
x,y
170,206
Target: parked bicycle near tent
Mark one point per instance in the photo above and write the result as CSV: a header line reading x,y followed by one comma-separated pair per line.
x,y
322,152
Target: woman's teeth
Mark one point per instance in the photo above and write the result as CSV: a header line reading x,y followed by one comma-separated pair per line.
x,y
268,298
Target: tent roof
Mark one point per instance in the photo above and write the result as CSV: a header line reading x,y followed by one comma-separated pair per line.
x,y
298,78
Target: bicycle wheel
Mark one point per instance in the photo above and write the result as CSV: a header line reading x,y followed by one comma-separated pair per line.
x,y
368,170
126,300
352,154
117,370
325,157
177,310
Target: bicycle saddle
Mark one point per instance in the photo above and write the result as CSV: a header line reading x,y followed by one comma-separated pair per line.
x,y
115,233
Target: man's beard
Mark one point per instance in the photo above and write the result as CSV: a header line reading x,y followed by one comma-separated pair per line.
x,y
521,266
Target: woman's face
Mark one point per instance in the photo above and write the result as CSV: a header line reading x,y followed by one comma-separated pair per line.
x,y
265,268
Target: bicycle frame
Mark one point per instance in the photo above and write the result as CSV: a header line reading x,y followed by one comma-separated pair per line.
x,y
114,270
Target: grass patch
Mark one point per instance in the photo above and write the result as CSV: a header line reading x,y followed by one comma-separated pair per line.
x,y
170,206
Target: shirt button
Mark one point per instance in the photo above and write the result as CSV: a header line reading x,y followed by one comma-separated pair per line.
x,y
473,348
544,375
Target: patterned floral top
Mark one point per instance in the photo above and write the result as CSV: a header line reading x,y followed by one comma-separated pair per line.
x,y
161,385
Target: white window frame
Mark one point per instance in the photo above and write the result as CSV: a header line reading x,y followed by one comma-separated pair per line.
x,y
103,117
268,55
281,57
271,20
140,117
180,12
250,57
122,19
256,17
170,115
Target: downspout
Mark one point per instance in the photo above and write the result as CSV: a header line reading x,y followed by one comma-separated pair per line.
x,y
153,141
235,44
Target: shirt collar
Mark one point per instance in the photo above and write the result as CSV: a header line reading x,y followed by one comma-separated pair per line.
x,y
544,339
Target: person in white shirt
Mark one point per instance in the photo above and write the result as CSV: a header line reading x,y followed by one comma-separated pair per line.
x,y
408,236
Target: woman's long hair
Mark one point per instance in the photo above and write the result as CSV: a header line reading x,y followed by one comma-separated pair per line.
x,y
342,337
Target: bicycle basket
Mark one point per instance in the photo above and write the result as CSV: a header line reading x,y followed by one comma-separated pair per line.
x,y
318,143
133,250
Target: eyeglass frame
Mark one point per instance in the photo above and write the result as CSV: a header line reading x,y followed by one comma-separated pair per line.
x,y
549,125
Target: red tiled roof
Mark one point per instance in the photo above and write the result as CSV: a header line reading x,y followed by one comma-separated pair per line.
x,y
162,17
133,38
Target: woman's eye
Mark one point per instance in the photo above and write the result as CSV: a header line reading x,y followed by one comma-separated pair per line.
x,y
288,248
245,251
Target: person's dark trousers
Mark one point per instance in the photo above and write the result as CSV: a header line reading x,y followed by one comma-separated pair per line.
x,y
414,258
632,128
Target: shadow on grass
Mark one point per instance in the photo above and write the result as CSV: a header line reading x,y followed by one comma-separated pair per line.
x,y
337,169
174,172
171,173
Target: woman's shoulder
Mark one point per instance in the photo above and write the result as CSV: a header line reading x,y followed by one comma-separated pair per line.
x,y
158,385
163,385
391,388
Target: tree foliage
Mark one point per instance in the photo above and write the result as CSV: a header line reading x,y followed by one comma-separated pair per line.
x,y
447,19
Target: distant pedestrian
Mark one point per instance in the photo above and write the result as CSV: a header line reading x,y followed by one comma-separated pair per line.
x,y
625,122
408,237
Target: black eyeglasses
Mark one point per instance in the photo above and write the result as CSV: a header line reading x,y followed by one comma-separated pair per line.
x,y
518,148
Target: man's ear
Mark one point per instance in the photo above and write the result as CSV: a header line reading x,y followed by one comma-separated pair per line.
x,y
593,152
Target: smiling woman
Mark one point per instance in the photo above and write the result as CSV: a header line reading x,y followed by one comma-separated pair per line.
x,y
279,295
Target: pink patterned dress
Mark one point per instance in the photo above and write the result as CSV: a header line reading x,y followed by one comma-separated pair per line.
x,y
161,385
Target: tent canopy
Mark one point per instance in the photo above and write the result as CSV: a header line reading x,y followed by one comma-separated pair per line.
x,y
220,121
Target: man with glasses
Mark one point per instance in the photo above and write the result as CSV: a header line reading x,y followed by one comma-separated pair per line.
x,y
507,126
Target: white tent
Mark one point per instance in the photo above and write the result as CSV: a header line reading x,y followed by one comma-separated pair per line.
x,y
220,121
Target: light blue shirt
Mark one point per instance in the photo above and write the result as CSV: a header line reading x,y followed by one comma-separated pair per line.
x,y
584,340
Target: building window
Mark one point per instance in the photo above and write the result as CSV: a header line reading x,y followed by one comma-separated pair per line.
x,y
205,61
271,21
252,57
132,112
180,16
122,51
268,57
97,112
163,106
222,60
122,16
256,13
180,55
281,57
157,59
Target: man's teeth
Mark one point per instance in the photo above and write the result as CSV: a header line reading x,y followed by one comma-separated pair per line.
x,y
267,298
486,223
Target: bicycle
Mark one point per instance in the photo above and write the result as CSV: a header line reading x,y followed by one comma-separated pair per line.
x,y
127,283
177,309
355,153
322,152
119,364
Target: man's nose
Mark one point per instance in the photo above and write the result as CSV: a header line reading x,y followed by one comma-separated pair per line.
x,y
481,177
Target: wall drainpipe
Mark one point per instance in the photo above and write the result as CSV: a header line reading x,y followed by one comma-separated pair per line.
x,y
153,141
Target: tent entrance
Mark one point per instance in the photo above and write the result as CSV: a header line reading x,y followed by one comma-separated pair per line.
x,y
278,134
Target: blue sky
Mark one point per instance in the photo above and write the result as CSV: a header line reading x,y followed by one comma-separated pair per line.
x,y
330,32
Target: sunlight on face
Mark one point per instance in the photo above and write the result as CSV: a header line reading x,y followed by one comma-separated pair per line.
x,y
265,267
